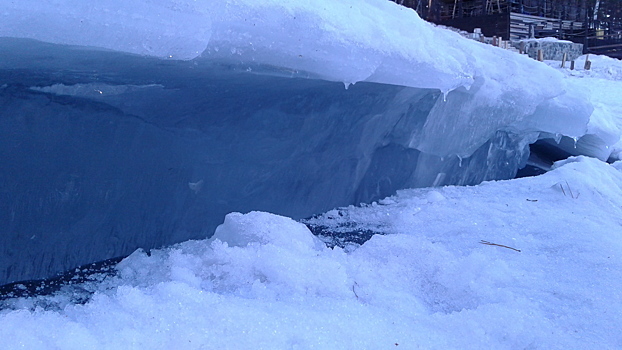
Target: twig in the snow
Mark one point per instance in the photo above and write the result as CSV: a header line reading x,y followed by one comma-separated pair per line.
x,y
498,245
569,191
353,291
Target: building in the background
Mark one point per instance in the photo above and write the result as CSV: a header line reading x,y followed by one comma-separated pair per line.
x,y
595,23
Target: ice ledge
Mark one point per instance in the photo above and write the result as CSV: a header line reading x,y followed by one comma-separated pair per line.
x,y
347,41
161,29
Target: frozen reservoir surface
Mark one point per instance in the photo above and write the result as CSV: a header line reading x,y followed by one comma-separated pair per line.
x,y
130,125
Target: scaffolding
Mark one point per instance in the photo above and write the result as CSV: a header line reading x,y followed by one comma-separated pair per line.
x,y
597,24
573,10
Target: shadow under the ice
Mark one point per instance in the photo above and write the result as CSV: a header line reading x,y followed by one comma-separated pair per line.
x,y
76,286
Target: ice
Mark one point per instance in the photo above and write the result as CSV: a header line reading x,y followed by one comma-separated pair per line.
x,y
140,124
143,165
163,29
92,90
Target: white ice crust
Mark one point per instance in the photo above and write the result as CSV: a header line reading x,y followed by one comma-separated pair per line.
x,y
602,86
349,41
173,29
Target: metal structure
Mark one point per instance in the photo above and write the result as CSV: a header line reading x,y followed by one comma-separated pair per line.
x,y
595,23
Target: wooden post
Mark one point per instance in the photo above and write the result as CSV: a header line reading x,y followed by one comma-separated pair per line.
x,y
521,49
429,14
588,63
494,40
564,60
540,55
571,65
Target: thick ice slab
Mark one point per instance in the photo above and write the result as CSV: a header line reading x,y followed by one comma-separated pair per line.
x,y
142,123
93,169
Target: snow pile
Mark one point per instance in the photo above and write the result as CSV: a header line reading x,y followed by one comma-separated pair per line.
x,y
547,39
321,38
600,85
602,67
346,41
433,281
167,29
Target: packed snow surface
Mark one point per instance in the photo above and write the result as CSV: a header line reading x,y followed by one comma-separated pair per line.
x,y
530,263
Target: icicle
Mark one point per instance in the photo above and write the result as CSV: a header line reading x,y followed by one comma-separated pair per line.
x,y
460,161
347,85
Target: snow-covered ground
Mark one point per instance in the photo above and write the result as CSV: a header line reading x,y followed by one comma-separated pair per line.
x,y
532,263
265,282
603,84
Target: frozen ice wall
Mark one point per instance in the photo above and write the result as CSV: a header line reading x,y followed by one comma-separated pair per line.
x,y
131,124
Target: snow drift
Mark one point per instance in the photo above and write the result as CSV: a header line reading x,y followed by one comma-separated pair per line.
x,y
264,281
132,124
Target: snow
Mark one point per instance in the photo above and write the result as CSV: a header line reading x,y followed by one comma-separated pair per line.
x,y
546,39
130,124
600,84
318,38
154,28
264,281
493,88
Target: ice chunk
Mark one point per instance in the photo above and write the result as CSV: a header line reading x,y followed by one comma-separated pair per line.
x,y
240,230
